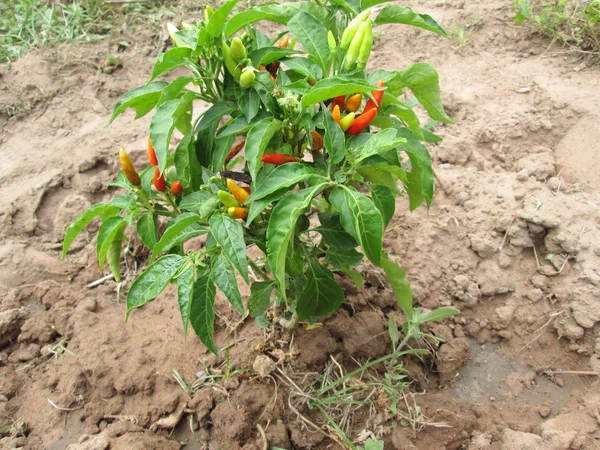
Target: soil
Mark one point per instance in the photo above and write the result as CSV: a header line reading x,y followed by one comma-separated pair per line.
x,y
511,240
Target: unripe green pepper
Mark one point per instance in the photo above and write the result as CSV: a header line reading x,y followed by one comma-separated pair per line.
x,y
355,46
230,63
238,51
332,43
227,199
114,259
352,28
365,47
248,77
208,207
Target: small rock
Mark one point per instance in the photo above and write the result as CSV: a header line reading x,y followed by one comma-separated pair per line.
x,y
11,321
502,316
517,440
263,365
25,353
523,175
544,411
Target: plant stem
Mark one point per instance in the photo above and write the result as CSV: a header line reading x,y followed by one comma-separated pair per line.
x,y
171,202
145,200
258,270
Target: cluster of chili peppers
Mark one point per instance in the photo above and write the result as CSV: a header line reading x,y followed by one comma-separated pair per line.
x,y
351,123
234,199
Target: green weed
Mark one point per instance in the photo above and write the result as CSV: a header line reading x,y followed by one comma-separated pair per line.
x,y
576,23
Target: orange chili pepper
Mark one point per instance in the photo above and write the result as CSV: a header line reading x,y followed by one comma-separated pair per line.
x,y
353,102
236,212
336,114
151,154
176,188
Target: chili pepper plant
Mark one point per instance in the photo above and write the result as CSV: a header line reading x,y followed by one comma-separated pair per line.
x,y
327,147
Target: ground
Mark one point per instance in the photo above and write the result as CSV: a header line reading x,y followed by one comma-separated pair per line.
x,y
512,240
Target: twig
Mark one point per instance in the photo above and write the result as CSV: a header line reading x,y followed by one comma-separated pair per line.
x,y
571,372
264,437
93,284
506,234
537,261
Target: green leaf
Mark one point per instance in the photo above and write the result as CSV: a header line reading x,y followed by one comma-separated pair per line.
x,y
282,176
222,148
174,89
258,206
143,99
266,55
400,285
260,297
334,139
257,140
304,67
278,13
342,259
398,14
213,115
423,81
333,87
185,293
100,209
216,24
372,444
173,58
194,201
334,234
312,34
225,280
384,200
163,123
152,281
202,312
124,202
187,165
249,104
112,228
240,125
176,226
360,218
380,142
437,315
393,330
229,234
146,229
281,229
420,182
356,277
321,295
407,115
384,175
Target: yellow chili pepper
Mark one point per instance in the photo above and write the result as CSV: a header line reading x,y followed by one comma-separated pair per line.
x,y
238,192
128,169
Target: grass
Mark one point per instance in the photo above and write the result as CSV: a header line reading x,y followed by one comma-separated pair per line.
x,y
29,24
575,23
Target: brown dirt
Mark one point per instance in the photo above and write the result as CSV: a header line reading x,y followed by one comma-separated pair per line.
x,y
512,240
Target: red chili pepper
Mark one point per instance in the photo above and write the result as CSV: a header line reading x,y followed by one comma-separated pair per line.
x,y
317,141
235,149
377,95
176,188
279,158
151,154
159,180
361,122
339,101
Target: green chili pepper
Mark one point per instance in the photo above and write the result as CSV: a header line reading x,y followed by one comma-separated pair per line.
x,y
365,47
238,51
248,77
352,28
332,43
227,199
355,46
230,63
114,258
